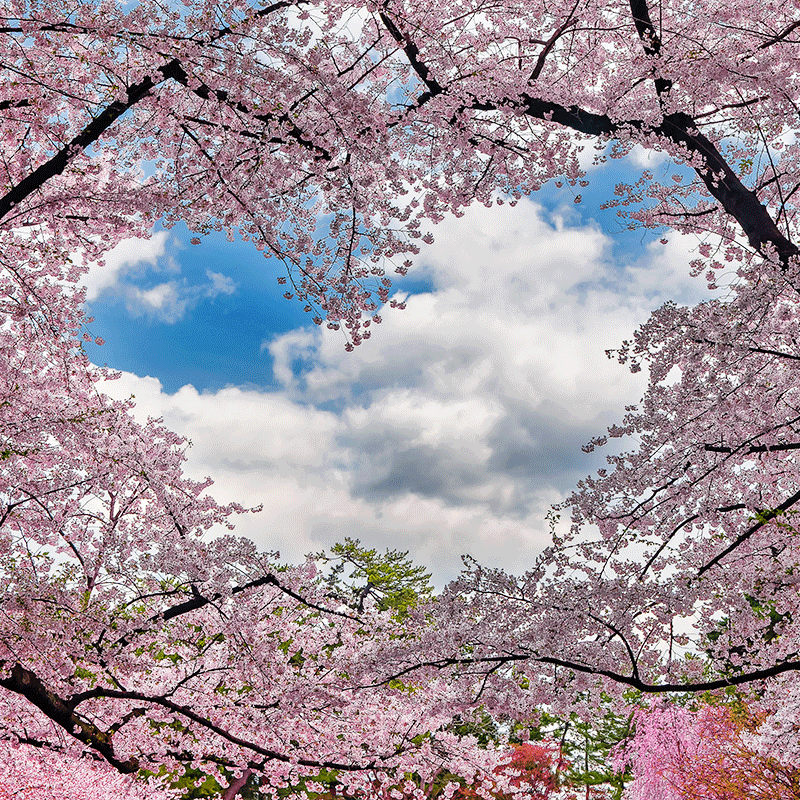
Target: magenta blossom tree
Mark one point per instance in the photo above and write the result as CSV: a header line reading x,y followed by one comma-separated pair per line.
x,y
330,132
706,754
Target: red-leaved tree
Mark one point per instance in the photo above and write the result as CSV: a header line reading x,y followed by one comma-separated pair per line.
x,y
533,768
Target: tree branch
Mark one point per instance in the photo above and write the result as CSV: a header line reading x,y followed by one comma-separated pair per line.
x,y
724,185
756,448
569,22
651,42
780,36
198,600
99,125
766,516
663,688
628,680
188,713
412,54
26,683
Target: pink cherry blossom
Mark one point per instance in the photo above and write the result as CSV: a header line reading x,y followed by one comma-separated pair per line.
x,y
333,134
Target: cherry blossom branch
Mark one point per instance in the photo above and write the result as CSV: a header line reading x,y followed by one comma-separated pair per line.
x,y
729,106
756,448
99,125
680,129
664,688
62,711
25,682
172,69
412,54
765,516
618,633
651,42
780,36
764,350
617,677
188,713
569,22
746,446
204,92
443,663
724,185
660,549
198,601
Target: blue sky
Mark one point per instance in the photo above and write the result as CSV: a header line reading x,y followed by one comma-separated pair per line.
x,y
453,429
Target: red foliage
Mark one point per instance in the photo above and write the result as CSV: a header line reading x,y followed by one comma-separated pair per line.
x,y
531,772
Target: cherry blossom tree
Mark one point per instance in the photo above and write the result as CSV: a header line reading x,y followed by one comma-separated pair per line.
x,y
30,773
330,133
125,634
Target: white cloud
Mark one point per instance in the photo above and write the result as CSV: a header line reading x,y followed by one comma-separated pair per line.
x,y
126,256
461,421
163,301
220,284
167,301
645,158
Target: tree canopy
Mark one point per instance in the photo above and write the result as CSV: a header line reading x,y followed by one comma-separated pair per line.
x,y
331,133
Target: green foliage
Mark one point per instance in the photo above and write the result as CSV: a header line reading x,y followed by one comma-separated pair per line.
x,y
478,724
390,579
197,784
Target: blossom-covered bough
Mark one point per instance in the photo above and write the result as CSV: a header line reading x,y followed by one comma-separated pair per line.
x,y
330,132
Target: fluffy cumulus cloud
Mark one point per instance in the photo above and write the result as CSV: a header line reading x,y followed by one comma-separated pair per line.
x,y
127,273
458,425
127,256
